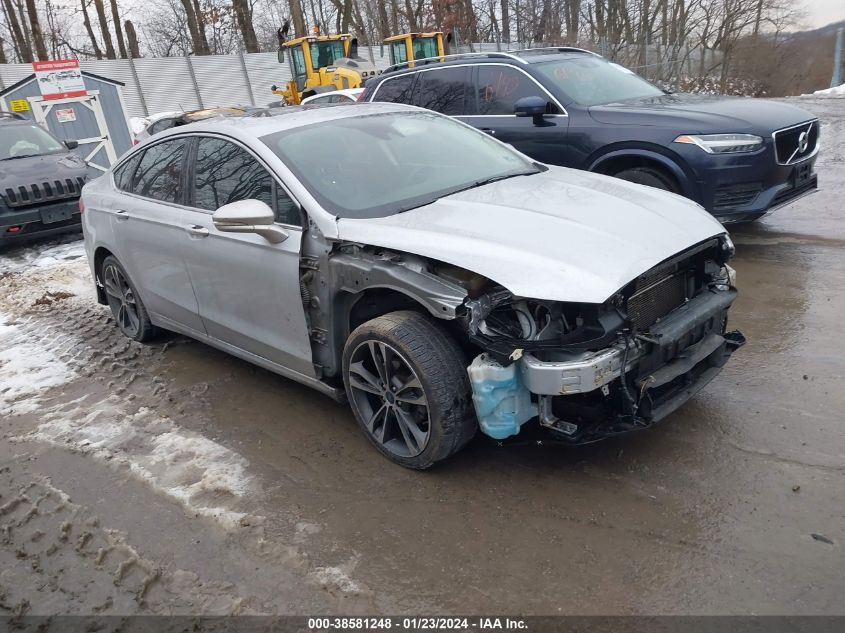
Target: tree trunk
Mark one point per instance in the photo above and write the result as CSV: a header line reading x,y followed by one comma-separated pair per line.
x,y
506,21
242,14
104,29
121,45
3,51
197,33
132,39
298,19
86,20
23,51
204,48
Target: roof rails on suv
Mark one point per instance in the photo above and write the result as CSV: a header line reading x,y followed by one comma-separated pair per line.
x,y
545,50
453,57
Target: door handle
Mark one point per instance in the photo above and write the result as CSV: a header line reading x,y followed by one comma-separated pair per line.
x,y
121,214
197,230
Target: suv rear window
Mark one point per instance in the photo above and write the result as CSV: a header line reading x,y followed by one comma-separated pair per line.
x,y
445,90
396,89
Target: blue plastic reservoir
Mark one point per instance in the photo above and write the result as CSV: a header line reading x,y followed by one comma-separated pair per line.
x,y
502,402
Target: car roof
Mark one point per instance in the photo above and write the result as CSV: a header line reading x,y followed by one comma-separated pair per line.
x,y
286,118
12,118
523,57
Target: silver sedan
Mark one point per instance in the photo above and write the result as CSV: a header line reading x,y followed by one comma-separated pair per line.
x,y
437,279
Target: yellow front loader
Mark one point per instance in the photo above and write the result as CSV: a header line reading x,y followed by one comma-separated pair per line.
x,y
407,47
321,63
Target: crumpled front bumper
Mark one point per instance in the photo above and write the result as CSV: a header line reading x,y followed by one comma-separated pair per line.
x,y
663,368
650,373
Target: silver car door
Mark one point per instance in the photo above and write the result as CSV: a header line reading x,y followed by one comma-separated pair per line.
x,y
147,223
247,287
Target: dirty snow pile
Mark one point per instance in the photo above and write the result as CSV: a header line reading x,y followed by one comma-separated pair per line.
x,y
199,473
26,370
836,91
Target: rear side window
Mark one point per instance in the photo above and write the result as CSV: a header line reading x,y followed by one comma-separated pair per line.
x,y
227,173
396,90
445,90
123,175
159,173
498,88
160,126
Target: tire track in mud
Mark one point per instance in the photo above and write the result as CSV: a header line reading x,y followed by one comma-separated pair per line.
x,y
75,565
118,411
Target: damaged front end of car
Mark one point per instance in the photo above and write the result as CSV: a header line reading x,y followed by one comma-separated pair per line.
x,y
591,371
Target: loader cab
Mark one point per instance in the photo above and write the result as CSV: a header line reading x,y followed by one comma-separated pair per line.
x,y
408,47
308,55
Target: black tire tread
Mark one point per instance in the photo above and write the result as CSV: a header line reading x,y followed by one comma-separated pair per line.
x,y
147,331
441,365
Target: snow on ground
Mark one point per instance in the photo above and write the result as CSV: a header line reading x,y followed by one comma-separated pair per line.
x,y
26,370
49,281
836,91
53,254
205,477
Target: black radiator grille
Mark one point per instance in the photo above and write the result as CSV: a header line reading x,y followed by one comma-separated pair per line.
x,y
728,196
796,143
40,192
655,298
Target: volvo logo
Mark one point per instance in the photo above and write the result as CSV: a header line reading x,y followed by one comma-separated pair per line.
x,y
803,142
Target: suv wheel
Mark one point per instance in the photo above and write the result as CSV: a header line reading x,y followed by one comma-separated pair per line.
x,y
126,306
648,176
407,384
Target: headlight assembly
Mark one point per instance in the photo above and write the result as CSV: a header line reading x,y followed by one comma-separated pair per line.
x,y
723,143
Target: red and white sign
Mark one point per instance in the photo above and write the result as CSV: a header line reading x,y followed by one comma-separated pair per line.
x,y
59,78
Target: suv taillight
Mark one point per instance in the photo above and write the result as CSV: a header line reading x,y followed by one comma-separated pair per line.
x,y
81,206
361,96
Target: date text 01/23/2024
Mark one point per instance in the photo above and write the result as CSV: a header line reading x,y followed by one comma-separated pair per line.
x,y
416,623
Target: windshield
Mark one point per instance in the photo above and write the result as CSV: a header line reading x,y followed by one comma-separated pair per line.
x,y
378,165
326,53
425,47
589,80
20,141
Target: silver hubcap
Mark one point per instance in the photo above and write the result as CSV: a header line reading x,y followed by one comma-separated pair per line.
x,y
389,398
121,300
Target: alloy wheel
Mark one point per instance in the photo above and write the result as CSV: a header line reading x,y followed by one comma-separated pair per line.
x,y
121,300
389,398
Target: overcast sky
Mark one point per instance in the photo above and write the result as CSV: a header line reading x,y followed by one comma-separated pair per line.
x,y
821,12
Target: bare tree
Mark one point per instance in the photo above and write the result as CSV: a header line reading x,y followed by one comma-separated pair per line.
x,y
86,20
243,16
104,29
19,40
115,14
132,39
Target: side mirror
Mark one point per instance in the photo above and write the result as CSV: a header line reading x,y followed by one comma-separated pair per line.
x,y
249,216
71,144
534,107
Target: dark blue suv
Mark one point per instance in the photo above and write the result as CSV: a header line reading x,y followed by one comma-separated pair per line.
x,y
737,157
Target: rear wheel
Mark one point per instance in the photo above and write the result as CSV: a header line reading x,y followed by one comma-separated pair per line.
x,y
648,176
125,303
408,387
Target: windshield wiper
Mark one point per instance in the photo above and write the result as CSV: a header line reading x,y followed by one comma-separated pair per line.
x,y
23,156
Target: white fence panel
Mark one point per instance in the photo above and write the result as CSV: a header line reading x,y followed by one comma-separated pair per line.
x,y
167,84
221,80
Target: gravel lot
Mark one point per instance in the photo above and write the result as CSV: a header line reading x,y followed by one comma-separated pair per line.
x,y
172,478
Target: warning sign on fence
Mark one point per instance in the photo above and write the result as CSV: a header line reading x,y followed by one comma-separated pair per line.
x,y
59,78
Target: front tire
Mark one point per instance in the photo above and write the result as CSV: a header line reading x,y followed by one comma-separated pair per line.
x,y
407,384
125,303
